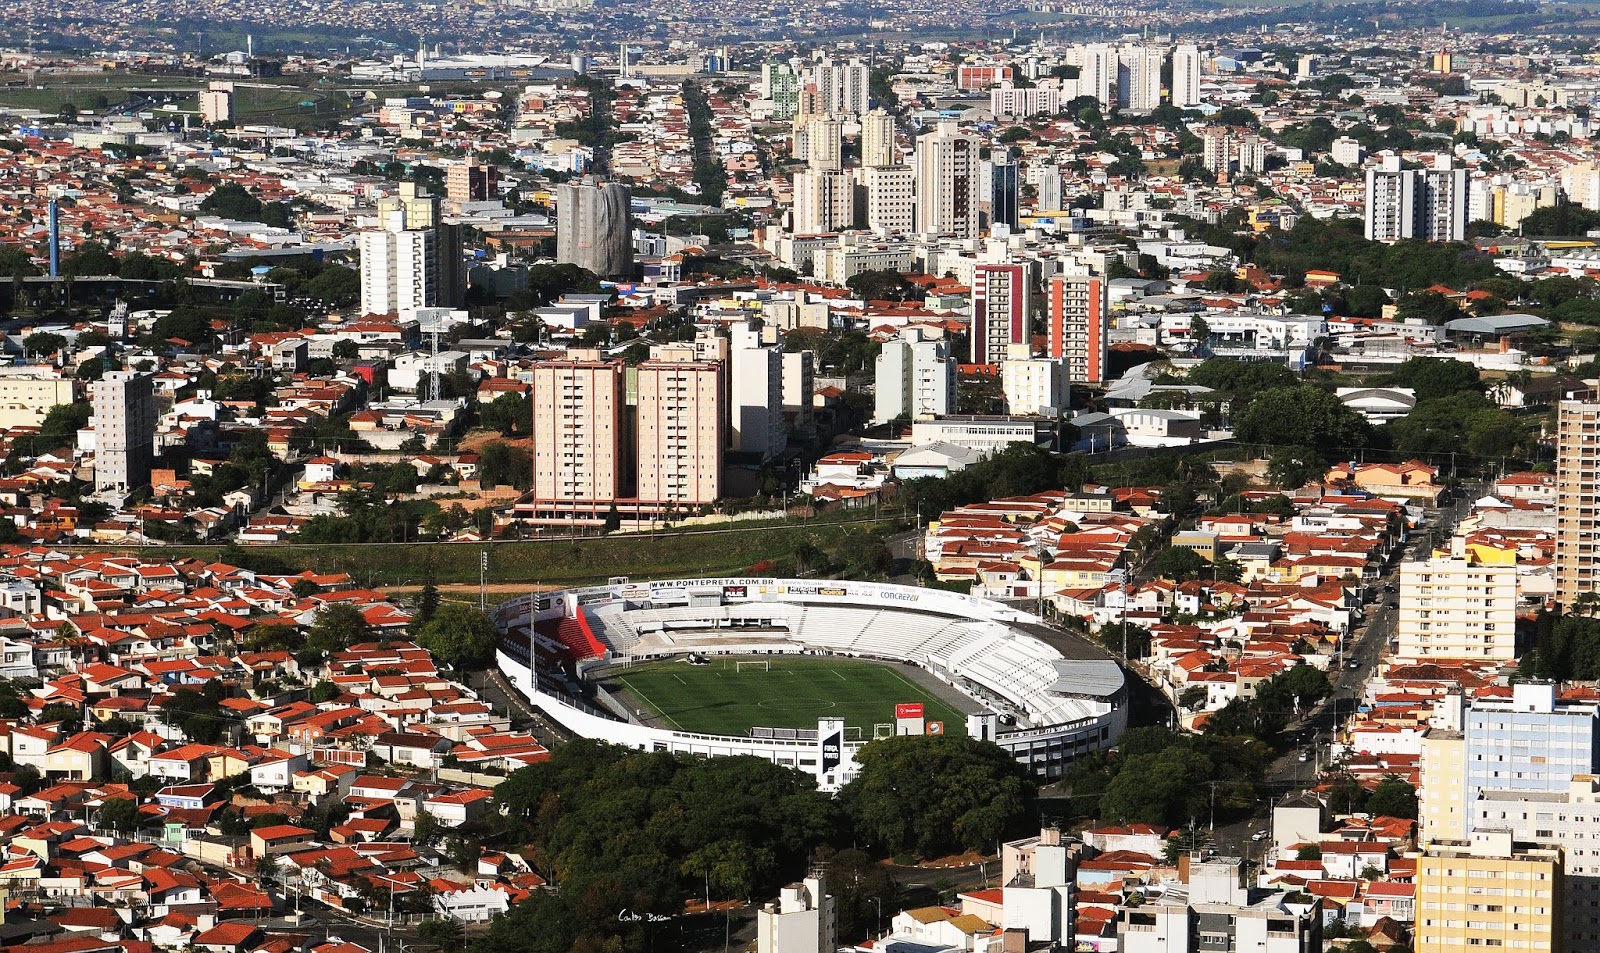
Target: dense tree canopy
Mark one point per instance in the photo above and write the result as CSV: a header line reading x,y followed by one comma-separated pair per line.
x,y
626,830
1303,416
967,795
461,635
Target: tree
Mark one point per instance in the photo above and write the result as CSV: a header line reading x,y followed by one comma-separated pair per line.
x,y
1193,698
335,286
1303,416
346,350
443,933
427,600
43,343
1429,307
266,868
336,628
1433,378
460,635
324,691
883,286
970,794
1393,797
1308,852
1178,564
120,814
427,828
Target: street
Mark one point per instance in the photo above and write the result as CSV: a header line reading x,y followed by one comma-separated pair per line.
x,y
1367,645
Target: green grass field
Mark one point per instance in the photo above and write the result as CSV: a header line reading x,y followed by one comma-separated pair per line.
x,y
719,699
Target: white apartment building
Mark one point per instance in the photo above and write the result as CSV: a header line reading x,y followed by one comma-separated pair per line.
x,y
1567,819
948,182
756,394
891,198
679,432
837,263
823,202
124,419
1032,384
1139,77
804,919
1451,609
1009,101
399,270
1186,76
914,378
878,148
1428,204
1097,70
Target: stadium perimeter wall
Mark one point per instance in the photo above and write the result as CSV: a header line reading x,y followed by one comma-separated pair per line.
x,y
1046,750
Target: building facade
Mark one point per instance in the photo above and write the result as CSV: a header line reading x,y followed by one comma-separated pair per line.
x,y
680,438
578,445
1577,499
124,417
594,227
1451,609
1079,325
1000,299
948,182
1489,892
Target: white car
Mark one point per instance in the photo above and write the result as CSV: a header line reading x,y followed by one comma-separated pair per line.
x,y
1259,836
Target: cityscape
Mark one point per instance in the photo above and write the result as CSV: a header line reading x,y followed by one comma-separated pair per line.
x,y
586,476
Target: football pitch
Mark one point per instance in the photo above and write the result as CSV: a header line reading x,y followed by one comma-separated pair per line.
x,y
726,698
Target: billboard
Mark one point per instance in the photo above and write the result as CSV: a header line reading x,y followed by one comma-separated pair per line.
x,y
908,710
830,732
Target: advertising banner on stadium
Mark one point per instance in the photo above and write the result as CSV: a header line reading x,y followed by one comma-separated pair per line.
x,y
908,710
832,735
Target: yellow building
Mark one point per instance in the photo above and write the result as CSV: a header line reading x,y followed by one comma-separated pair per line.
x,y
1489,892
1441,810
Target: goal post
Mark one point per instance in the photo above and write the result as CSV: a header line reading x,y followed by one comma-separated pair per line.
x,y
759,666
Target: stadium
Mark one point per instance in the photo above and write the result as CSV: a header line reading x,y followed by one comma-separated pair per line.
x,y
804,673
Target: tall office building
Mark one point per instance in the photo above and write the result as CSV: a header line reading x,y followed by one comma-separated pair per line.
x,y
914,377
1080,326
594,227
1005,191
1186,76
877,140
1489,892
679,430
414,258
1577,498
780,85
472,181
1451,609
1139,77
948,182
1428,204
756,394
999,311
823,202
891,198
124,418
579,450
